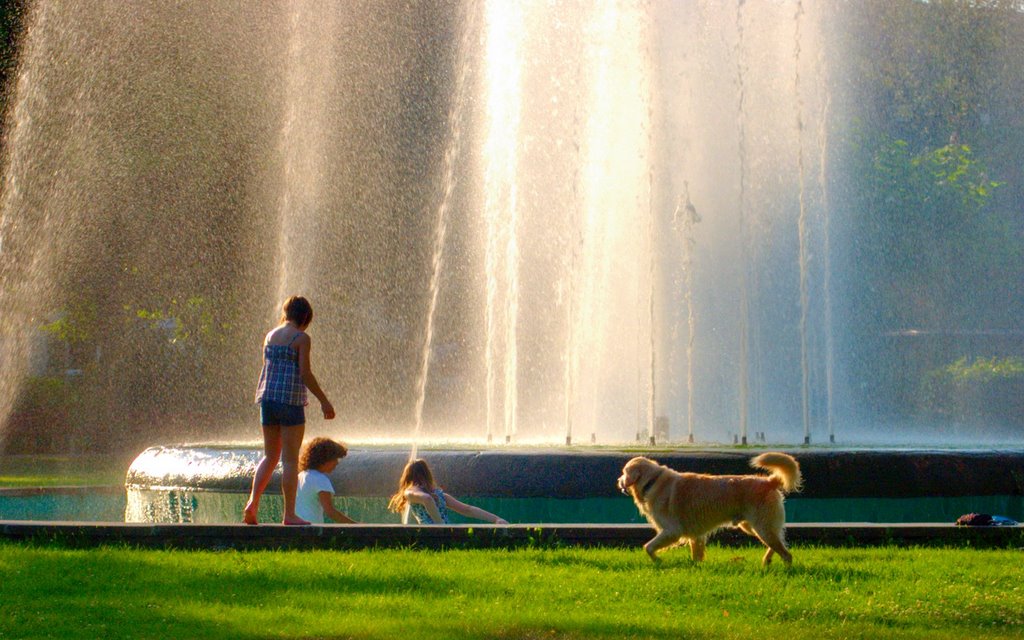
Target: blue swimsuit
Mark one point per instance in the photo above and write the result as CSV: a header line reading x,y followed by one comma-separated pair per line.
x,y
423,516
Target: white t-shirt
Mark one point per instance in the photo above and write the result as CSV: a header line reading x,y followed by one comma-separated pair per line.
x,y
307,498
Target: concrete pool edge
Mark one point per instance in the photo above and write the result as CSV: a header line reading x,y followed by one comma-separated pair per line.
x,y
355,537
567,473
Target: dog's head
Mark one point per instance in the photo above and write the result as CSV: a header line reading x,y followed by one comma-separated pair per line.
x,y
636,472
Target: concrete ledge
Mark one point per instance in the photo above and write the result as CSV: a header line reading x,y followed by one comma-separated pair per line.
x,y
274,536
587,473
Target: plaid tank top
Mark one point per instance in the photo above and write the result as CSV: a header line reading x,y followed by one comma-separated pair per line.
x,y
280,380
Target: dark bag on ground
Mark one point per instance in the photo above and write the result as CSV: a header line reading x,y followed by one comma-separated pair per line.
x,y
984,520
974,520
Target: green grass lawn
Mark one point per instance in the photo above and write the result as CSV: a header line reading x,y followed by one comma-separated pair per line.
x,y
53,592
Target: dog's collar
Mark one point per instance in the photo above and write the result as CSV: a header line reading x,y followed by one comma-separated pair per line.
x,y
648,485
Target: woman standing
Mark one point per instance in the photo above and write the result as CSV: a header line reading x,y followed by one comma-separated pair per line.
x,y
281,394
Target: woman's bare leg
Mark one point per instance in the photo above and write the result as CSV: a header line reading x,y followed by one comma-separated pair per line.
x,y
264,470
291,443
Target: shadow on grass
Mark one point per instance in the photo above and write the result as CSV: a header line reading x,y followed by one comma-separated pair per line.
x,y
67,593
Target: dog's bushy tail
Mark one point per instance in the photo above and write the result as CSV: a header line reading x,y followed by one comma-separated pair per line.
x,y
783,467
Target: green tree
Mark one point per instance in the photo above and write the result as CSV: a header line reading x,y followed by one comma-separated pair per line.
x,y
927,239
935,183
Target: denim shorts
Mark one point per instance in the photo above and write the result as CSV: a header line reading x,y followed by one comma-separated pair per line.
x,y
279,414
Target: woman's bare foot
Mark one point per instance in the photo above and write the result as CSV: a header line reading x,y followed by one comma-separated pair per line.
x,y
249,515
295,521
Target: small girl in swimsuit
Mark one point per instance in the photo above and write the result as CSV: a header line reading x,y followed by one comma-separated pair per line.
x,y
427,502
281,394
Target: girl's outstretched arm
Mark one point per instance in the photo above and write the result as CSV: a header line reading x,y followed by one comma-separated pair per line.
x,y
303,344
470,511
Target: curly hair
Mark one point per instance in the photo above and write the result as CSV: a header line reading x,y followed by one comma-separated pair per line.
x,y
318,451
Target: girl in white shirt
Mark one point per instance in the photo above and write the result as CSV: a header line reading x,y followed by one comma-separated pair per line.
x,y
314,500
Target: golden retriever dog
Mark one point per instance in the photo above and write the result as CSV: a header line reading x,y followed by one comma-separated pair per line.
x,y
688,507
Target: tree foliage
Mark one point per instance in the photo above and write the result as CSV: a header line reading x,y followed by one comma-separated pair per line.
x,y
936,182
927,239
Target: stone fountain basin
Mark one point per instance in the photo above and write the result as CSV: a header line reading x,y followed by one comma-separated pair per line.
x,y
373,470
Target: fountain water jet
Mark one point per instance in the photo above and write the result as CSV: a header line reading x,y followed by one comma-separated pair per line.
x,y
685,218
826,249
284,137
805,387
309,88
455,118
744,375
503,38
580,183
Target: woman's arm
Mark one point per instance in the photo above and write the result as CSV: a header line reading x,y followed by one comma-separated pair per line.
x,y
327,502
303,345
470,511
418,496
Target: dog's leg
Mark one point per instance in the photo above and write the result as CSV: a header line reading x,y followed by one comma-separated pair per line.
x,y
746,528
697,548
769,525
773,540
749,530
665,538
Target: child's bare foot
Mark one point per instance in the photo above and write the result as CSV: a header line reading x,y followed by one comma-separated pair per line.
x,y
296,521
249,515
